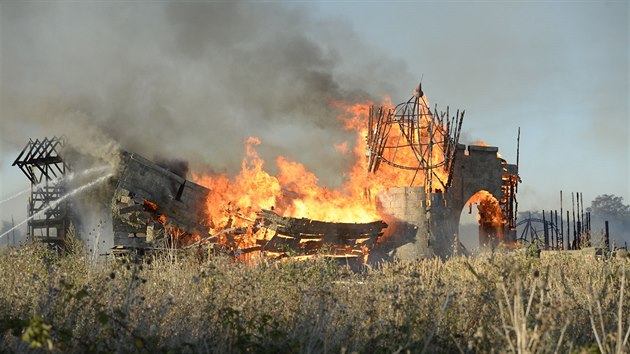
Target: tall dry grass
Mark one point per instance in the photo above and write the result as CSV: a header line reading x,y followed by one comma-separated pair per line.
x,y
496,303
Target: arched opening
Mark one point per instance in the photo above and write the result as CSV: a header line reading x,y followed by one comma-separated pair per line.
x,y
481,223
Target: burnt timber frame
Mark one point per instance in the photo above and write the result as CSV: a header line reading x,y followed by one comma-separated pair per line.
x,y
42,164
306,236
153,206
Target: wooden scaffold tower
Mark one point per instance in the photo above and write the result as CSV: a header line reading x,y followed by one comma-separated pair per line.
x,y
42,164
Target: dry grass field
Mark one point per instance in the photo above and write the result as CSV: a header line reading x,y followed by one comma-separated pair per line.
x,y
502,302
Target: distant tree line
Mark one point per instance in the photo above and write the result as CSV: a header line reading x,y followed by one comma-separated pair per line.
x,y
611,208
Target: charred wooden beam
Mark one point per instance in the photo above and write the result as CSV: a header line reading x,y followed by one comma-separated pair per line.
x,y
305,236
330,232
281,244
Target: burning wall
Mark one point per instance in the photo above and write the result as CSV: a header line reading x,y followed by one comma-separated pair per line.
x,y
422,225
156,208
151,202
477,168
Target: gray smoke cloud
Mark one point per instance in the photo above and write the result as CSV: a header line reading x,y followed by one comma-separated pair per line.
x,y
185,80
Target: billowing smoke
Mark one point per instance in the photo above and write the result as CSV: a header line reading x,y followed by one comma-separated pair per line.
x,y
181,81
185,80
177,166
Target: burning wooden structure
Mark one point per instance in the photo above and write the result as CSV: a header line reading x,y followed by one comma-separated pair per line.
x,y
306,237
274,236
155,208
413,137
425,178
418,180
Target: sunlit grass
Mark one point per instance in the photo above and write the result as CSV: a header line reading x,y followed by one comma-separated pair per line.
x,y
494,303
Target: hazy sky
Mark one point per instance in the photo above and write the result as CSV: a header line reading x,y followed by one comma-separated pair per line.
x,y
193,80
559,70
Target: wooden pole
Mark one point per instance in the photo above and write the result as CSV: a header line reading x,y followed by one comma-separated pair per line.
x,y
545,232
579,224
568,232
518,148
561,223
582,207
583,226
575,239
551,237
558,239
569,247
13,226
607,236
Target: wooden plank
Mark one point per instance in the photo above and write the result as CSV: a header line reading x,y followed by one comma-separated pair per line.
x,y
122,239
129,209
287,244
304,228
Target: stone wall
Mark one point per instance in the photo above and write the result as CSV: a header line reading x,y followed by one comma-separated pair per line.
x,y
406,236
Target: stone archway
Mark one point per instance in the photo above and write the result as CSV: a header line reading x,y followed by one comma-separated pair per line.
x,y
488,219
476,168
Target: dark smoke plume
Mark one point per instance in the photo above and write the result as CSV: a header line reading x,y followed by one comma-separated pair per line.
x,y
177,166
185,80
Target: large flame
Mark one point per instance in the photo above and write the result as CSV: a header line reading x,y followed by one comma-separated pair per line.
x,y
490,215
295,191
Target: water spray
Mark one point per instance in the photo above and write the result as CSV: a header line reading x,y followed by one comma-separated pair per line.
x,y
15,195
68,177
56,202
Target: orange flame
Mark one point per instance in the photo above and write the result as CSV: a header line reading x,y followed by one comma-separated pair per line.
x,y
341,147
490,215
479,143
296,192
